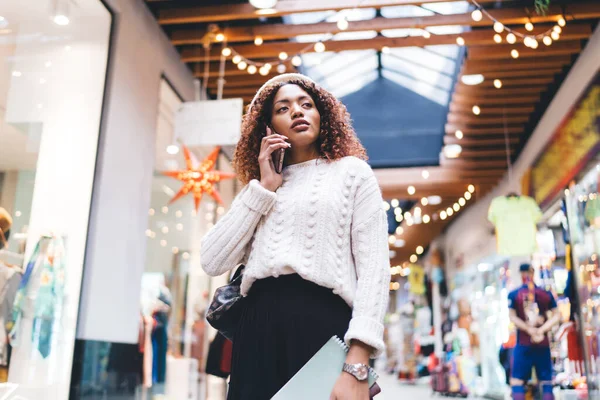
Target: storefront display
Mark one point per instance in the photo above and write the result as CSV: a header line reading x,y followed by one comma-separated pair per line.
x,y
586,247
51,98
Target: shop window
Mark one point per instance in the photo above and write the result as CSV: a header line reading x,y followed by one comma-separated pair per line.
x,y
53,61
175,290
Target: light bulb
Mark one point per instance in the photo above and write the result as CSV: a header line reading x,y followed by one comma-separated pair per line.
x,y
477,15
236,59
283,56
561,22
460,41
534,44
220,37
411,190
555,35
395,203
61,19
426,219
476,110
319,47
459,134
452,150
414,258
527,41
281,68
252,69
511,38
296,61
443,215
426,34
497,83
468,195
471,188
172,149
456,207
263,71
242,65
450,211
425,174
258,40
514,53
498,27
529,26
424,201
263,4
226,52
547,40
342,24
497,38
385,50
420,250
557,29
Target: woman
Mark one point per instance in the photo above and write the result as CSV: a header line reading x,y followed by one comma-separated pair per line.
x,y
313,239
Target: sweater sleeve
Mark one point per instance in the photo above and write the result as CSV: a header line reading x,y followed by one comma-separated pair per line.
x,y
371,256
225,244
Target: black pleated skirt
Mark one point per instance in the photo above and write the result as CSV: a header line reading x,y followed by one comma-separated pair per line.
x,y
284,322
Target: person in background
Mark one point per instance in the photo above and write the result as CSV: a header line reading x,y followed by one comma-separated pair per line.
x,y
534,312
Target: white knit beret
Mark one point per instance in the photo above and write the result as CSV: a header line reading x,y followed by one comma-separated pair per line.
x,y
281,78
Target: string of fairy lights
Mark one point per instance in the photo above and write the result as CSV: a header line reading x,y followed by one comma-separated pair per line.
x,y
512,37
529,40
417,217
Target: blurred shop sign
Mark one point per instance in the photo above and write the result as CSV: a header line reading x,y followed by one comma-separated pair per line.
x,y
574,143
209,123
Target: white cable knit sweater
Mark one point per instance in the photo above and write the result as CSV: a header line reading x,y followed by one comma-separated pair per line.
x,y
326,223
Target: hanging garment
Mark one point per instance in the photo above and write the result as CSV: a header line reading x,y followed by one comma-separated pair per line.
x,y
47,294
10,278
417,279
515,219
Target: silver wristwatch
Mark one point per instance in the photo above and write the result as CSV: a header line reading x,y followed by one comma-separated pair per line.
x,y
359,371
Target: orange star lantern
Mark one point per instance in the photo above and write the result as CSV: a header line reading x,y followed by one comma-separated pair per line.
x,y
199,178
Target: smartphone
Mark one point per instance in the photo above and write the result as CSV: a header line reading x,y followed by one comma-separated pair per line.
x,y
277,156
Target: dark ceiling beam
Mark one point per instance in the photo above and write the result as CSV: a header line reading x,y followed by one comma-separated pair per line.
x,y
287,31
495,101
451,129
476,92
473,38
484,119
480,142
491,110
503,51
244,11
516,82
485,66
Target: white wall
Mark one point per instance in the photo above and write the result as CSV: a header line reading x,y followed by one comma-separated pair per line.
x,y
116,243
471,235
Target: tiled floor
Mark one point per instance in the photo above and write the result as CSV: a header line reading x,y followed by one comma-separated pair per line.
x,y
392,389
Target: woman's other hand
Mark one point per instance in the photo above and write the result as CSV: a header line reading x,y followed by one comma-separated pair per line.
x,y
270,179
348,387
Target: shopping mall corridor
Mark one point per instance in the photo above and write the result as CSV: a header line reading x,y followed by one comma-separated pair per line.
x,y
392,389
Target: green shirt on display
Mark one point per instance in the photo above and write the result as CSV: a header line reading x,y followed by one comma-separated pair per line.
x,y
515,219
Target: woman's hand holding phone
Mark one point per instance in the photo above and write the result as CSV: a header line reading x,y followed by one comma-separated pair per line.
x,y
272,142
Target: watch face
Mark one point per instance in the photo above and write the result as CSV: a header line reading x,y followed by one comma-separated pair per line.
x,y
362,372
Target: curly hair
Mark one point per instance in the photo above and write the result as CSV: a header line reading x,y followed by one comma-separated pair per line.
x,y
337,138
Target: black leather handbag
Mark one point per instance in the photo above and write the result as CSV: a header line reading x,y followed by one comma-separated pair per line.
x,y
225,309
